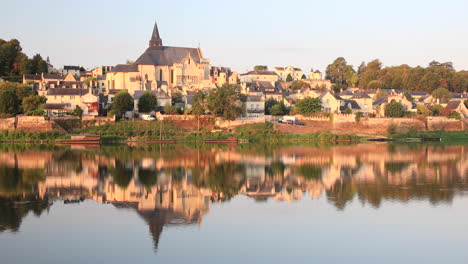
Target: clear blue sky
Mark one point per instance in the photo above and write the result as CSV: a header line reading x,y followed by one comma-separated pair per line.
x,y
241,33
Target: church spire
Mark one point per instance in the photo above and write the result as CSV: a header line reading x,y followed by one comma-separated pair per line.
x,y
155,41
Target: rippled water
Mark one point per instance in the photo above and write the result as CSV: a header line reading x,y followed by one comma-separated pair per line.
x,y
369,203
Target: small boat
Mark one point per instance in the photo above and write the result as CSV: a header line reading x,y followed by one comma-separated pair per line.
x,y
230,140
81,139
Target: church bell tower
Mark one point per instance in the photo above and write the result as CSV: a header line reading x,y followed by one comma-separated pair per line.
x,y
155,41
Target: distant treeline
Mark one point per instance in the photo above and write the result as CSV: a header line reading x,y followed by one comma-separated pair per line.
x,y
404,77
14,63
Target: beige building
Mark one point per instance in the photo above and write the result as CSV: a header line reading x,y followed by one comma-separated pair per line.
x,y
283,72
315,75
255,105
62,100
257,76
161,67
330,103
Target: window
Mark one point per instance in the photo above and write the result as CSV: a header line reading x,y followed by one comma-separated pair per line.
x,y
72,97
161,75
172,76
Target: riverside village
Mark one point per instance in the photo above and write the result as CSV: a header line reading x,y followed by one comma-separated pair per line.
x,y
179,85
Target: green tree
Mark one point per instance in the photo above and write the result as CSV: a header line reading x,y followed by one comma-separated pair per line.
x,y
33,102
226,102
340,73
309,106
21,90
170,110
147,102
394,109
269,104
148,178
78,111
9,103
177,98
303,77
123,102
289,78
299,84
441,94
121,175
260,68
199,106
278,109
408,96
90,80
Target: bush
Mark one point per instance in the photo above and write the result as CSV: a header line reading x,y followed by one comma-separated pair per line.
x,y
394,109
392,129
455,115
371,115
308,106
358,116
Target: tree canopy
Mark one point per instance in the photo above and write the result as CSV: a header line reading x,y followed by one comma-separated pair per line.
x,y
260,68
394,109
147,102
309,106
14,63
441,93
9,103
226,102
123,102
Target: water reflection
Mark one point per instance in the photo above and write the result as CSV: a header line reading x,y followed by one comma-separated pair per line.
x,y
175,185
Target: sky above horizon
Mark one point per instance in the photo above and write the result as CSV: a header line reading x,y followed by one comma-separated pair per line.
x,y
241,34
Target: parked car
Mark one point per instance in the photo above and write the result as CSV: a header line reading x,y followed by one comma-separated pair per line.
x,y
148,117
297,123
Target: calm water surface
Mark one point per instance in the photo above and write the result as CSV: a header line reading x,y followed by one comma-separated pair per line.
x,y
370,203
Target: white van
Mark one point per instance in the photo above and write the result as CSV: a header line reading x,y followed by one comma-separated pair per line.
x,y
148,117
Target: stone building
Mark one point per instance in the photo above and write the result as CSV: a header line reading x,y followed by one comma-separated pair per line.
x,y
174,66
283,72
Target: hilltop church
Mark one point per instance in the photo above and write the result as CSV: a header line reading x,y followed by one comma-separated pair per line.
x,y
161,68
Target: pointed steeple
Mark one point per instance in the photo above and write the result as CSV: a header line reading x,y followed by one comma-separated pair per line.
x,y
155,41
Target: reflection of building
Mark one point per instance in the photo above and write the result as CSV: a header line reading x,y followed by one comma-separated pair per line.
x,y
177,187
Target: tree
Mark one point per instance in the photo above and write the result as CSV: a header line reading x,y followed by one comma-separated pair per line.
x,y
394,109
370,73
260,68
340,73
147,102
226,102
408,96
303,77
33,102
90,80
441,94
466,103
278,109
289,78
78,111
177,98
269,104
123,102
9,103
299,84
21,90
309,106
170,110
199,106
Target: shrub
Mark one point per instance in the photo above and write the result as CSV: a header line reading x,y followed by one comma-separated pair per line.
x,y
392,129
394,109
358,116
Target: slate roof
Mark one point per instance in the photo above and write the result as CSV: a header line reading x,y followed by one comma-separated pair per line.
x,y
56,106
66,91
165,55
346,92
35,77
254,98
260,73
125,68
54,76
137,95
351,103
360,95
453,104
381,100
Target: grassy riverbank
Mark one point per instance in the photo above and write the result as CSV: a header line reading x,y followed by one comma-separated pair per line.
x,y
141,131
444,135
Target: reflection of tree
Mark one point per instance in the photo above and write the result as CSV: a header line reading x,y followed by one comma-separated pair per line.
x,y
395,167
147,178
276,168
14,209
341,193
121,174
15,181
310,171
225,179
